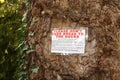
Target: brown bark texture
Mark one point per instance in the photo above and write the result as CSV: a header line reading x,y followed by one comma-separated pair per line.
x,y
102,59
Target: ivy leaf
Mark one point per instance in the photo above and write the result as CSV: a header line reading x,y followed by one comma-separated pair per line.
x,y
31,34
30,51
6,51
35,70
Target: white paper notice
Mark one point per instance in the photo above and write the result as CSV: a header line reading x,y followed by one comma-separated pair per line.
x,y
68,41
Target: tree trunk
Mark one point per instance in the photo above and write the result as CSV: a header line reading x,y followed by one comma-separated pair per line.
x,y
102,59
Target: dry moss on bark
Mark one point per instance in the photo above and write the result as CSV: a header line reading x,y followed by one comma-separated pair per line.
x,y
102,17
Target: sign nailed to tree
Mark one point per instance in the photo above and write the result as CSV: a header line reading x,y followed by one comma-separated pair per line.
x,y
68,41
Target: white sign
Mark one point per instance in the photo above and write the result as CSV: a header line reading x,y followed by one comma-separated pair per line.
x,y
68,41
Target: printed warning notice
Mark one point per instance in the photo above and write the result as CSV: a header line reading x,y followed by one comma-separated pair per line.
x,y
68,41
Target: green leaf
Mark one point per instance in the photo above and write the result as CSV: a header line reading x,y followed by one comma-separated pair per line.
x,y
31,34
6,51
20,45
35,70
30,51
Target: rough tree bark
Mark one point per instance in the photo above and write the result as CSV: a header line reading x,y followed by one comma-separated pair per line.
x,y
102,17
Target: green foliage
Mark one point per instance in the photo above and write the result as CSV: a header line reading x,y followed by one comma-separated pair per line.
x,y
22,73
11,35
13,48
